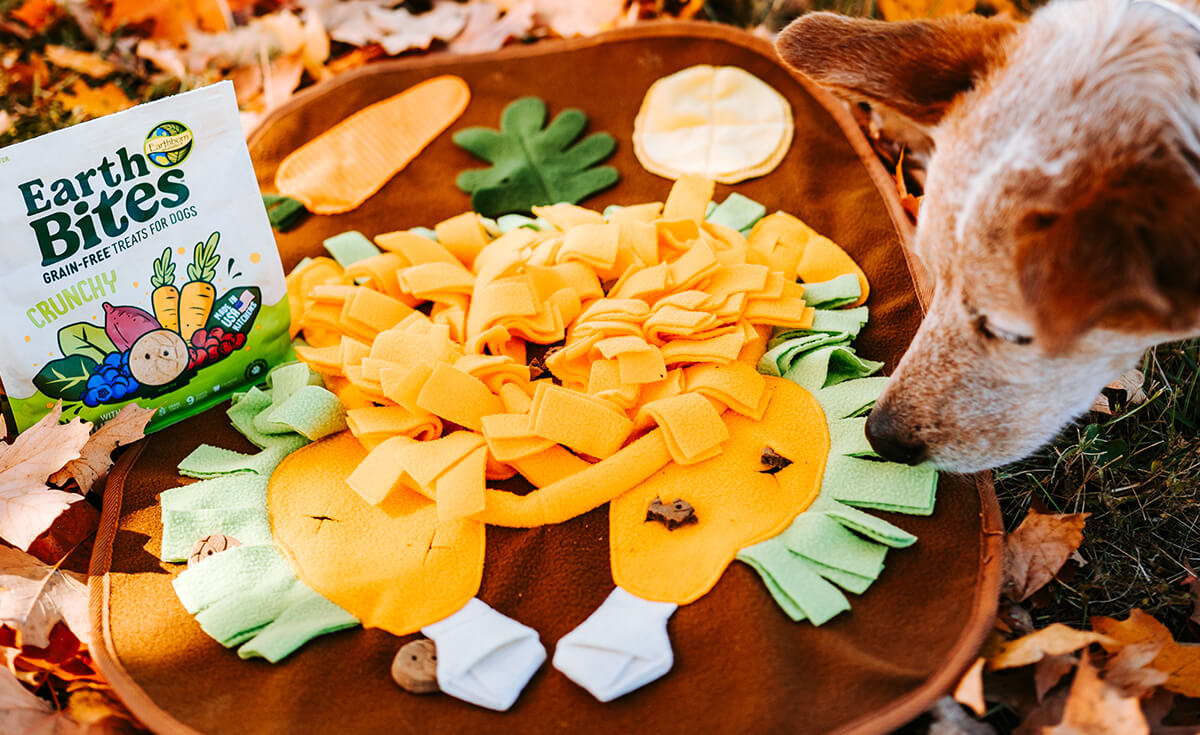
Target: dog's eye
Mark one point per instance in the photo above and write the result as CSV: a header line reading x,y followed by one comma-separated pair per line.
x,y
991,331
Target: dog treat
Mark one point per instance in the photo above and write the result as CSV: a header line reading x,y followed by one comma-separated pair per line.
x,y
340,168
672,515
532,166
415,667
773,461
719,122
209,545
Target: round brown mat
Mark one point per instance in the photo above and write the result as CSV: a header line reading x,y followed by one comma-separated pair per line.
x,y
741,666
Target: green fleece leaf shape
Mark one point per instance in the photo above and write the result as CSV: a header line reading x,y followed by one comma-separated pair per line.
x,y
532,166
86,340
65,378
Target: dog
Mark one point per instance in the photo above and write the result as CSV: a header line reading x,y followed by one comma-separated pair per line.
x,y
1061,216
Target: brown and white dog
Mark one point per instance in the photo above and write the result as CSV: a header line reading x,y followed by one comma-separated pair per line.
x,y
1061,217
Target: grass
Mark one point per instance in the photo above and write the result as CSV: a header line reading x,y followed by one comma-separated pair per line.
x,y
1138,474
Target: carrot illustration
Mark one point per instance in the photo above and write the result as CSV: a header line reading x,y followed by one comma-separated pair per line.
x,y
197,296
165,297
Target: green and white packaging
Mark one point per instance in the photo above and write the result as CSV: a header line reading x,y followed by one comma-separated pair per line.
x,y
137,264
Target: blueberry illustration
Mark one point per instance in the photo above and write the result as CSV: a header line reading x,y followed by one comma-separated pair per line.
x,y
95,380
103,394
113,359
89,399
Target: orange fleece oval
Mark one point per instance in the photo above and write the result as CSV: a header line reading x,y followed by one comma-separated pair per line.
x,y
736,505
420,570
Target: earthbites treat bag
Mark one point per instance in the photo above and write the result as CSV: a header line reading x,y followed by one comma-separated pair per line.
x,y
138,264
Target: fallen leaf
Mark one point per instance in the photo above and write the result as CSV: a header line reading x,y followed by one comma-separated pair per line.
x,y
1095,708
36,14
21,711
1039,547
1181,661
1050,670
96,705
1053,640
95,102
83,62
487,30
27,506
969,691
917,9
35,596
66,534
95,458
65,658
170,20
950,719
1131,671
1129,389
361,22
572,18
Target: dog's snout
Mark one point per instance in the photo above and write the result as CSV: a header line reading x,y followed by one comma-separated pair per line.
x,y
892,440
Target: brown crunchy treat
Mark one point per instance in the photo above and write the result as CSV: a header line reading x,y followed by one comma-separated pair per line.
x,y
672,515
209,545
537,363
415,667
774,461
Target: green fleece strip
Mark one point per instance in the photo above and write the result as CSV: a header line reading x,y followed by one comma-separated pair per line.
x,y
308,618
818,599
242,490
350,247
851,398
736,212
841,321
829,366
182,528
848,437
821,539
833,294
781,358
866,483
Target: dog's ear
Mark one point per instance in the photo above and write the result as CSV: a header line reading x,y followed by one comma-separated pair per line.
x,y
1124,255
916,68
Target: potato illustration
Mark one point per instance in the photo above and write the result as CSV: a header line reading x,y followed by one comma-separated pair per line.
x,y
158,357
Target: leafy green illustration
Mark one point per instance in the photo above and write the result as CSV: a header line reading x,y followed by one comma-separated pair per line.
x,y
86,340
164,270
205,259
531,165
65,378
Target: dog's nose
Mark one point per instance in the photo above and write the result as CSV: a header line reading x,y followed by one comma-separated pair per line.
x,y
892,441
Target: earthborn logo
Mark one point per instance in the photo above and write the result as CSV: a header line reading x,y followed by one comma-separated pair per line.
x,y
168,144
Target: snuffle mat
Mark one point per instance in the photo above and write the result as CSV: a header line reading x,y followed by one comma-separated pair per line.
x,y
741,652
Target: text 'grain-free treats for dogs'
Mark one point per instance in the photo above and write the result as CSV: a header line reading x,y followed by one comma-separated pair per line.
x,y
138,264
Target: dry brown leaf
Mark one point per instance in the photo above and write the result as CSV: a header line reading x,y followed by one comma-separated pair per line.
x,y
83,62
34,596
95,458
951,719
488,30
95,102
969,691
97,705
171,19
1131,671
36,14
916,9
1053,640
1039,547
1095,708
1050,670
572,18
21,711
1181,661
1129,387
27,506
